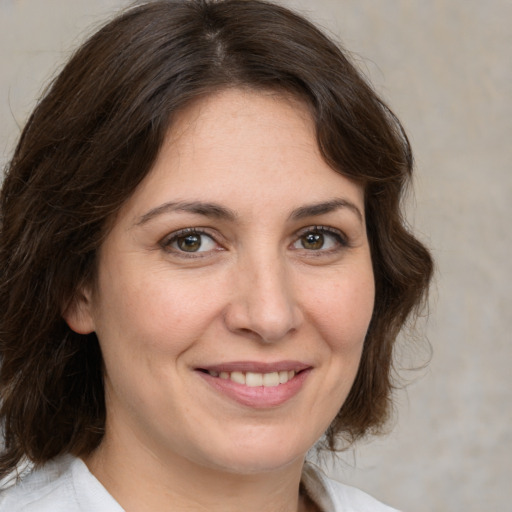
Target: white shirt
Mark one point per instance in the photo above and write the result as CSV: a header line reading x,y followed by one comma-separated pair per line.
x,y
66,485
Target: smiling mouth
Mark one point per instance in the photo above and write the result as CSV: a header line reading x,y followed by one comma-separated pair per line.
x,y
257,385
254,379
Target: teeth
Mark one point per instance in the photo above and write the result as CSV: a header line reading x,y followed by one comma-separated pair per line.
x,y
238,377
252,379
271,380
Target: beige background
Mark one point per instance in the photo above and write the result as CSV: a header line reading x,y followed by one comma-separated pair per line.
x,y
445,67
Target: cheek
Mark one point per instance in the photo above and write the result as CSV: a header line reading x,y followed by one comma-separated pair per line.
x,y
342,309
156,313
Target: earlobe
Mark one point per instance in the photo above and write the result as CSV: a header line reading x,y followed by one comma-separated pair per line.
x,y
78,314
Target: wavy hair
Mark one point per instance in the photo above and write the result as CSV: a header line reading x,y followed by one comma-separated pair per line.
x,y
95,135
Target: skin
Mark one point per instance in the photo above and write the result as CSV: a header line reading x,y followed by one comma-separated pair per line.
x,y
273,280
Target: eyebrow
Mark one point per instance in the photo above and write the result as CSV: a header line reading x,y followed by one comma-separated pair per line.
x,y
322,208
217,211
198,207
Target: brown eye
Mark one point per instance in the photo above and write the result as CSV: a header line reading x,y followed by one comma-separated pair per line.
x,y
312,241
320,239
189,243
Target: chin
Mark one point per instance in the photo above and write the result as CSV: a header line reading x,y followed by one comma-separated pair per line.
x,y
253,464
256,455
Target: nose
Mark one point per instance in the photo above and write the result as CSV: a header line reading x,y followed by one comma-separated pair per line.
x,y
263,305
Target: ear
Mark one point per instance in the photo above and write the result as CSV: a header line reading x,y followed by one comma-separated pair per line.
x,y
78,313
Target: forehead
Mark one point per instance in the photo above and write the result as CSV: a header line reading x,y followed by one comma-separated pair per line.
x,y
244,119
243,149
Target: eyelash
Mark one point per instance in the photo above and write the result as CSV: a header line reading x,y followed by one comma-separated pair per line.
x,y
339,237
167,242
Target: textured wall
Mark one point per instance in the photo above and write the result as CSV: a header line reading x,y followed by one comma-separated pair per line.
x,y
445,67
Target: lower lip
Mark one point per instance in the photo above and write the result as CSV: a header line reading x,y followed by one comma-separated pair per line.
x,y
258,397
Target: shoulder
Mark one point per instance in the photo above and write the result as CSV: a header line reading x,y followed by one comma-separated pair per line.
x,y
333,496
41,490
63,485
353,499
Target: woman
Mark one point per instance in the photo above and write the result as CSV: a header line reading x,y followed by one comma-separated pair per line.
x,y
204,267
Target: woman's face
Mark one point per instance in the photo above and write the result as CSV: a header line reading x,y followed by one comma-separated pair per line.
x,y
234,291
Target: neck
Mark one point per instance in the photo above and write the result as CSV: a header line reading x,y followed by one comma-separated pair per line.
x,y
144,482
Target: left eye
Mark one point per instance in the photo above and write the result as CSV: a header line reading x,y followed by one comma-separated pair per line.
x,y
319,240
191,242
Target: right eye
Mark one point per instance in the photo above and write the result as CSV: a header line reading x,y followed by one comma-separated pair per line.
x,y
191,241
320,239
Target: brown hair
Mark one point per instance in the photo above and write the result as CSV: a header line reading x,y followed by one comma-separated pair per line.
x,y
95,135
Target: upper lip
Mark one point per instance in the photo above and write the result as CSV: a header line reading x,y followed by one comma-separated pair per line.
x,y
256,366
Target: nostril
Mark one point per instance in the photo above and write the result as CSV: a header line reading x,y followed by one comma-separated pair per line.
x,y
250,316
249,333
